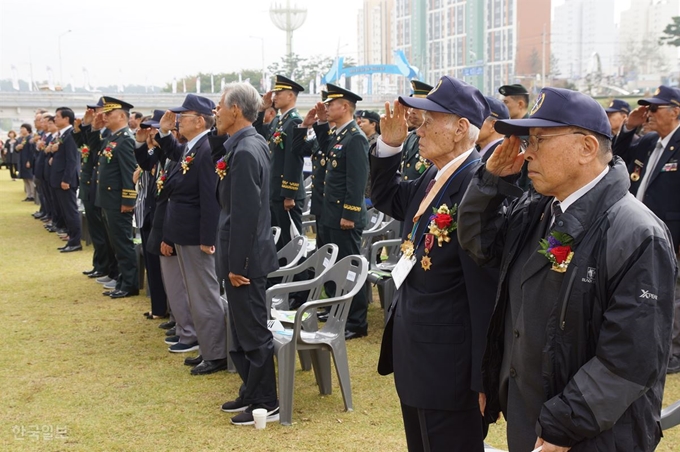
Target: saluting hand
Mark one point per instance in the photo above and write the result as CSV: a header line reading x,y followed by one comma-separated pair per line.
x,y
76,125
267,100
310,118
637,117
142,135
321,113
98,122
506,159
167,122
89,116
393,127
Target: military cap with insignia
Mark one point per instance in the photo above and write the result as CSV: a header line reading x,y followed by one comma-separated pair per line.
x,y
324,95
513,90
335,92
420,89
453,96
110,104
370,115
199,104
664,95
282,83
559,107
618,105
498,110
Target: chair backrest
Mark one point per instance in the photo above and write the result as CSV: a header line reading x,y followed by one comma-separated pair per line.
x,y
292,252
348,276
375,218
386,230
319,262
277,233
393,248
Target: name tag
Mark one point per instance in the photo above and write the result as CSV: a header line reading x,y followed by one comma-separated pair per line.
x,y
402,269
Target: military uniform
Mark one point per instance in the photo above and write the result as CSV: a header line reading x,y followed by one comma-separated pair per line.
x,y
286,178
412,164
115,188
344,184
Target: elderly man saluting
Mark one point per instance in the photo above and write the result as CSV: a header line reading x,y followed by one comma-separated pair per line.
x,y
579,340
435,335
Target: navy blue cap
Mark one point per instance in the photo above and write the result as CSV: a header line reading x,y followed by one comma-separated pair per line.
x,y
335,92
498,110
664,95
199,104
618,105
155,120
559,107
370,115
99,104
452,96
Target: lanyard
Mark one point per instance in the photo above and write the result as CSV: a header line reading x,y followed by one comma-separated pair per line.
x,y
441,195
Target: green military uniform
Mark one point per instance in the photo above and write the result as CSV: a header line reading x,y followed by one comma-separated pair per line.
x,y
412,164
344,184
103,259
286,167
523,181
115,188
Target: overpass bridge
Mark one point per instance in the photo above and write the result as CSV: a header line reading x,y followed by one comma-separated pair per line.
x,y
18,107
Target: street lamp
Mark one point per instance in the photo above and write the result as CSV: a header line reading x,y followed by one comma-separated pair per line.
x,y
262,42
61,70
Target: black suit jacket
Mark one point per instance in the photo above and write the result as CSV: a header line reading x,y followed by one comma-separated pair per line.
x,y
192,211
65,162
436,332
245,243
661,195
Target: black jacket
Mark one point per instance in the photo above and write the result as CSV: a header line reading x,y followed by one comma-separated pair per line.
x,y
608,336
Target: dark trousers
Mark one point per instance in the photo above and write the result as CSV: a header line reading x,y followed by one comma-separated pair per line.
x,y
57,216
103,258
119,229
251,346
349,242
443,431
319,233
69,209
13,170
152,262
46,206
280,219
39,193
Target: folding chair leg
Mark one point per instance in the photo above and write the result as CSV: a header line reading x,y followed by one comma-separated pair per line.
x,y
342,368
321,360
305,360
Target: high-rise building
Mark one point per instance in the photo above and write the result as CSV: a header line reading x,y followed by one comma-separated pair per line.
x,y
487,43
374,40
584,38
645,63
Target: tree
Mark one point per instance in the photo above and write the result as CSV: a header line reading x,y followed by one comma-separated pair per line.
x,y
554,67
255,76
672,32
535,61
302,70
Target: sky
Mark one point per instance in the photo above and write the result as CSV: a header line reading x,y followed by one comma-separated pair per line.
x,y
148,42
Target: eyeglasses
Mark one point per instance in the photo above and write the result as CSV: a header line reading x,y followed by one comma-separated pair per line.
x,y
534,140
655,107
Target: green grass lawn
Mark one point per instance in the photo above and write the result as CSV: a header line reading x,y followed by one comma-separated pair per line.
x,y
96,373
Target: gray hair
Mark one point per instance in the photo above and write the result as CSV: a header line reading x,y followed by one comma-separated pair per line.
x,y
245,97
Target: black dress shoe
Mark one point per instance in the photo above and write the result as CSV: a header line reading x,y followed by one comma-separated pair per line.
x,y
322,316
209,367
62,248
123,293
88,272
96,275
193,361
108,293
171,332
349,335
167,325
72,248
